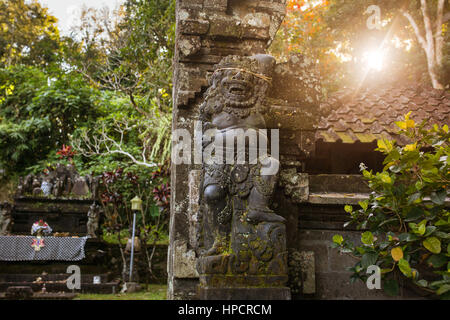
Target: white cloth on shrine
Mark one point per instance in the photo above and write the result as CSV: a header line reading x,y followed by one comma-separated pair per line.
x,y
18,248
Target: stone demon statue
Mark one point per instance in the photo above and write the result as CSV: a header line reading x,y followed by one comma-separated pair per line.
x,y
240,235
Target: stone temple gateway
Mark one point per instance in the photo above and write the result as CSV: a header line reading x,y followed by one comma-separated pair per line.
x,y
238,234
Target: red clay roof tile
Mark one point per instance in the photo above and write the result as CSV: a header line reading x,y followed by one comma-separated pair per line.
x,y
368,115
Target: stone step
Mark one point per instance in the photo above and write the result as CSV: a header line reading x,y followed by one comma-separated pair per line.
x,y
54,287
53,296
57,282
26,293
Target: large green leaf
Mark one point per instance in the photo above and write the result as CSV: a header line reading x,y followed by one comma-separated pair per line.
x,y
439,197
391,287
364,204
429,230
414,197
368,259
338,239
405,268
407,237
367,238
385,177
443,289
437,260
433,244
422,283
414,214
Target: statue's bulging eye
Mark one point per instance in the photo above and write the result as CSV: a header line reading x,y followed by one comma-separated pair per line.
x,y
214,193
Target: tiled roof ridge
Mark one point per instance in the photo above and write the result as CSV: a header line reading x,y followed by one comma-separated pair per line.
x,y
380,91
366,114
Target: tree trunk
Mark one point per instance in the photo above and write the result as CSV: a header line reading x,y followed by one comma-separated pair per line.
x,y
431,44
439,36
430,48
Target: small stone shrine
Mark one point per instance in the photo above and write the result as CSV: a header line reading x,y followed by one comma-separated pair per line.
x,y
64,204
61,197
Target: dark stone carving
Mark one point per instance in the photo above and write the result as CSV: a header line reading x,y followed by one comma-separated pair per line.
x,y
61,197
62,181
36,187
6,220
242,241
68,187
80,187
58,188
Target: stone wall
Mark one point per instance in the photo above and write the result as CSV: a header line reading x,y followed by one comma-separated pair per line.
x,y
314,208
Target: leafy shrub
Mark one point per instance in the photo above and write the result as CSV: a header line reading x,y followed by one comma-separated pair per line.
x,y
406,220
118,187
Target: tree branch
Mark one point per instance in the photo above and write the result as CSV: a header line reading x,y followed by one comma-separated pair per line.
x,y
439,36
428,31
416,29
133,102
426,43
103,144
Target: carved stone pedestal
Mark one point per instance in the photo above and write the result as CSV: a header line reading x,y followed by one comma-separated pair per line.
x,y
282,293
243,287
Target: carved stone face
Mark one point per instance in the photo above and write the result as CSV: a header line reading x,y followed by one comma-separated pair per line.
x,y
238,88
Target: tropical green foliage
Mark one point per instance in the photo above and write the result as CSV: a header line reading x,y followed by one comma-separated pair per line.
x,y
128,56
123,134
38,112
131,61
128,50
28,34
406,218
104,93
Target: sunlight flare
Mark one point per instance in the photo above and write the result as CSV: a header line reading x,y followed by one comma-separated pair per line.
x,y
374,59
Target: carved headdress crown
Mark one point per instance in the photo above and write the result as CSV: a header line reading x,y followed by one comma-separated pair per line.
x,y
260,65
